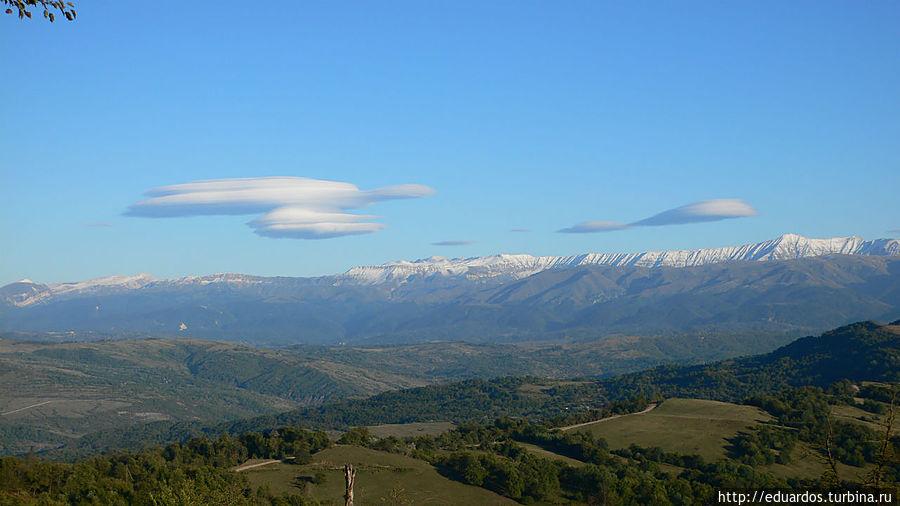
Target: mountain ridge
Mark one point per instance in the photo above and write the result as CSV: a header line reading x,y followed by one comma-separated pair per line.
x,y
785,247
500,267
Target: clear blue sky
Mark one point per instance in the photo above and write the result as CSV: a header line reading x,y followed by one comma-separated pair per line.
x,y
520,115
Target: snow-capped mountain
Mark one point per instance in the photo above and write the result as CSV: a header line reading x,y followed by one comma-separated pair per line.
x,y
789,284
786,247
497,268
26,292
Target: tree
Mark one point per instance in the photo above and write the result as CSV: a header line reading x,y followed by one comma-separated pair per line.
x,y
22,7
881,461
350,478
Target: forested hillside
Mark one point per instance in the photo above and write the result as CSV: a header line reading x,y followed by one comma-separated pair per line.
x,y
816,361
59,391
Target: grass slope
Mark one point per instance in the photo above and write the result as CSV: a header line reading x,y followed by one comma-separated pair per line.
x,y
703,427
688,426
382,478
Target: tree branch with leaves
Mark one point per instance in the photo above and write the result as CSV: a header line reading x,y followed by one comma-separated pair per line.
x,y
23,8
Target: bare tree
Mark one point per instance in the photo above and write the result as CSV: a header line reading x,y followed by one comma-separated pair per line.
x,y
884,453
832,473
350,475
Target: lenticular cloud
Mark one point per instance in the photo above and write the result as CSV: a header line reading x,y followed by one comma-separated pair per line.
x,y
707,210
292,207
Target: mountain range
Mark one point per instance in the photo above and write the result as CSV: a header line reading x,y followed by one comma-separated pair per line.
x,y
790,284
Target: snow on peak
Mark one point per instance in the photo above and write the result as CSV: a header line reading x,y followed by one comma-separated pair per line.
x,y
502,267
115,281
786,247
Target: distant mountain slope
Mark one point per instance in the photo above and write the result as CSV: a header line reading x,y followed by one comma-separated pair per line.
x,y
790,284
53,392
798,296
503,267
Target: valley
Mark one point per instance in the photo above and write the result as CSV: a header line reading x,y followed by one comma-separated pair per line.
x,y
688,428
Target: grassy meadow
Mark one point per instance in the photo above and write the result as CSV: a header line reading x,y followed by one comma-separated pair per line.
x,y
688,426
382,478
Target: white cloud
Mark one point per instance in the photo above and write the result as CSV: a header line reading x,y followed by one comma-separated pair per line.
x,y
707,210
586,227
520,230
453,242
293,207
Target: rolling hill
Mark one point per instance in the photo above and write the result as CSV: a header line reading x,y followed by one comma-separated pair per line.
x,y
865,351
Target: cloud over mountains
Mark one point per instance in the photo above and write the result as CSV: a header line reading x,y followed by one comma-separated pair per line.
x,y
698,212
290,207
453,242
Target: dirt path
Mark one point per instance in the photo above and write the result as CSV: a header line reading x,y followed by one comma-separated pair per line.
x,y
258,464
26,407
251,466
651,407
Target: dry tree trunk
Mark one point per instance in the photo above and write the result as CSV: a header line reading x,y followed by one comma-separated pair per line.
x,y
884,453
832,462
350,475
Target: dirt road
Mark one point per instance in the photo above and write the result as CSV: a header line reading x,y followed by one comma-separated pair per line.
x,y
258,464
651,407
26,407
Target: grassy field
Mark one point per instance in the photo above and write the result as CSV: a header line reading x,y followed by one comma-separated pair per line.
x,y
693,426
382,478
873,421
808,463
689,426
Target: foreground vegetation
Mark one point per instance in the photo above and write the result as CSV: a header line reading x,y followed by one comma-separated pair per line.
x,y
517,459
803,430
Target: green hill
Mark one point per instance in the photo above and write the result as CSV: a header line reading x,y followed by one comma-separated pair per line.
x,y
58,391
864,351
817,361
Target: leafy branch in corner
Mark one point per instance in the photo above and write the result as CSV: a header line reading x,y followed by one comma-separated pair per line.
x,y
67,9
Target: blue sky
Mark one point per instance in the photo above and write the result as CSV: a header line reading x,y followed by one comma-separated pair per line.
x,y
537,116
